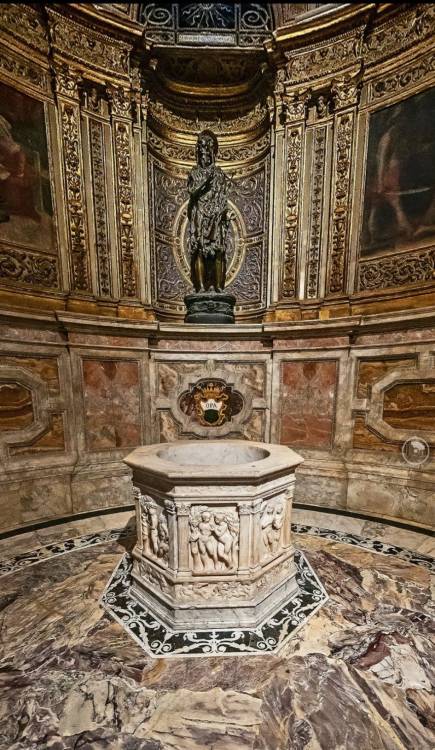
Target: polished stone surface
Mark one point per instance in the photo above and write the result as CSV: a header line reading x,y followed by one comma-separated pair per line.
x,y
359,675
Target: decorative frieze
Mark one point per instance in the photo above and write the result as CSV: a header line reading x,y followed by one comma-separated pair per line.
x,y
340,201
96,137
85,45
245,123
399,33
24,22
23,70
26,267
403,78
345,91
316,211
396,270
291,222
322,60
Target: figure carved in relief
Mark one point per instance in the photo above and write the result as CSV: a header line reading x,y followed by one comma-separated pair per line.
x,y
213,541
272,518
155,535
209,217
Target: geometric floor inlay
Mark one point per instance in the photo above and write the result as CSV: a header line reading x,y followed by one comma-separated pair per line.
x,y
159,641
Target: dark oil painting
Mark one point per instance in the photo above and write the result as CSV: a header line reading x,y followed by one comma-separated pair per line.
x,y
26,211
399,197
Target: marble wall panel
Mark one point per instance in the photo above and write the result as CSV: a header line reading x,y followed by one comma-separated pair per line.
x,y
16,406
314,489
391,496
410,406
371,370
28,499
45,367
307,403
112,404
51,440
99,491
367,439
174,376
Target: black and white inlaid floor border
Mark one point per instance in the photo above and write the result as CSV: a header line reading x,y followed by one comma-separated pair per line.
x,y
161,642
55,549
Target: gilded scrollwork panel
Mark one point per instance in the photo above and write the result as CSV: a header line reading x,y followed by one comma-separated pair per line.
x,y
316,211
340,203
78,239
125,210
397,270
17,67
99,177
407,77
398,33
294,138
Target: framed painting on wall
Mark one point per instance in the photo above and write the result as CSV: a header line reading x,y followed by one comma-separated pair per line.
x,y
26,208
399,192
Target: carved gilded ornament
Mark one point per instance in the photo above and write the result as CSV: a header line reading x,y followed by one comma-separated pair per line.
x,y
25,267
19,68
89,46
246,122
340,200
67,81
397,270
401,79
119,101
70,118
319,61
346,91
24,23
316,211
122,142
291,228
399,33
96,137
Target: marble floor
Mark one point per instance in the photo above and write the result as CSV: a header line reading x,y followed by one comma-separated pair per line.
x,y
359,676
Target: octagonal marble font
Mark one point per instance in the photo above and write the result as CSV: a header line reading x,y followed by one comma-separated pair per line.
x,y
214,547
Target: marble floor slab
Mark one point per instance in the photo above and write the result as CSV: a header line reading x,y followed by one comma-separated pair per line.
x,y
358,676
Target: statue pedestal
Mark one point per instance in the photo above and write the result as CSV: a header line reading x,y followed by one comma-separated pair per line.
x,y
209,307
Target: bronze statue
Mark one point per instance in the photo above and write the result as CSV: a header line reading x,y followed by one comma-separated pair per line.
x,y
209,217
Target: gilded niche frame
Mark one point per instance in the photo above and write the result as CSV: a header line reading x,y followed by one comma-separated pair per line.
x,y
412,262
22,264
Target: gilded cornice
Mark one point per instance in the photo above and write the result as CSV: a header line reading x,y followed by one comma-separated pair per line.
x,y
125,26
88,47
305,31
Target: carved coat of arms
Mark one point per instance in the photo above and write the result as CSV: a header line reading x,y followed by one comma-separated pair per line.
x,y
211,403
